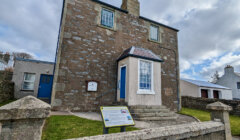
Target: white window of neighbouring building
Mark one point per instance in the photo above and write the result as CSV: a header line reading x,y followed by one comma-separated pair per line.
x,y
154,33
28,81
238,85
107,18
145,76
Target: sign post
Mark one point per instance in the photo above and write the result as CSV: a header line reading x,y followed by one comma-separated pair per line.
x,y
116,116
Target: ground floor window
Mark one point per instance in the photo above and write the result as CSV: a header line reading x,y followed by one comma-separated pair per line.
x,y
145,75
28,81
204,93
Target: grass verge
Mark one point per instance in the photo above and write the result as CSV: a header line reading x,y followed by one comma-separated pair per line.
x,y
7,102
66,127
205,116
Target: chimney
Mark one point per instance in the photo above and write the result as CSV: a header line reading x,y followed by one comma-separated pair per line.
x,y
132,6
228,69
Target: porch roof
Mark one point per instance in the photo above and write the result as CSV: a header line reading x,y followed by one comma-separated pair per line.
x,y
140,53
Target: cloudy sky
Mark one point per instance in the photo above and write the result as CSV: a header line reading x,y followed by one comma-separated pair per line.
x,y
209,37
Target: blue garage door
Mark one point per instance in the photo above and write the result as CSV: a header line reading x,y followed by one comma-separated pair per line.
x,y
45,86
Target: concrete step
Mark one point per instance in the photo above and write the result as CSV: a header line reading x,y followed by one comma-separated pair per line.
x,y
119,103
147,107
46,100
149,110
156,118
158,114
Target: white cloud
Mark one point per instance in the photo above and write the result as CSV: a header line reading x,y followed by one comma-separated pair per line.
x,y
32,26
219,64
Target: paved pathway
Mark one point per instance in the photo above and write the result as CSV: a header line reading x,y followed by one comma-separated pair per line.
x,y
140,124
236,138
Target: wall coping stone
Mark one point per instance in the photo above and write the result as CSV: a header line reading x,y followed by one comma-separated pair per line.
x,y
219,106
28,107
180,131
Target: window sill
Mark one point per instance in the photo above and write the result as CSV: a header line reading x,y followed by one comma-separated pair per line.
x,y
105,27
154,41
145,92
27,90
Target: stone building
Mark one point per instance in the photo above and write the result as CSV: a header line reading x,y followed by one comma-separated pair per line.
x,y
108,55
231,79
32,77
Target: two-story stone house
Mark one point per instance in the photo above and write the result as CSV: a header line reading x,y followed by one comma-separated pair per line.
x,y
108,54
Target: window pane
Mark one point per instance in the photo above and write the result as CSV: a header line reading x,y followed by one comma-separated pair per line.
x,y
154,33
238,85
107,18
29,77
28,86
145,75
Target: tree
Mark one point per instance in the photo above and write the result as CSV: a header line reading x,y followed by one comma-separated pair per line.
x,y
22,55
4,57
215,77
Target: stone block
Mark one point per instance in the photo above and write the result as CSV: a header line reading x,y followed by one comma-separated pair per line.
x,y
220,111
23,119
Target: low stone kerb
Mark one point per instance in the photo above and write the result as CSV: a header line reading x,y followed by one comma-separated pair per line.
x,y
27,107
219,106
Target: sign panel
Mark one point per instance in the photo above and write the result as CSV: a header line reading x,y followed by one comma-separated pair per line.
x,y
116,116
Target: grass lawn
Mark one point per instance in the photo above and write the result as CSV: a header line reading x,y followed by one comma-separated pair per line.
x,y
205,116
66,127
7,102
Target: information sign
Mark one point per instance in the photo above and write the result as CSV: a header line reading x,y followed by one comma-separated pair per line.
x,y
116,116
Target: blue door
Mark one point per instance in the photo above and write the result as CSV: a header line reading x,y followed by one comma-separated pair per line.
x,y
45,86
123,83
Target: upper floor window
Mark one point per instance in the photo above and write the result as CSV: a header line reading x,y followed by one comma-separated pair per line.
x,y
154,33
238,85
145,75
28,81
107,18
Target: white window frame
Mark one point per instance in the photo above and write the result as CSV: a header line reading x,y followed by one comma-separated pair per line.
x,y
142,91
27,81
158,33
113,18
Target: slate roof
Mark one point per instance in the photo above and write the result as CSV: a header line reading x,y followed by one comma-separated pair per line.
x,y
140,53
204,84
36,61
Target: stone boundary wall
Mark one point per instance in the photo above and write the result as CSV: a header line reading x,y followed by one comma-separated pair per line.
x,y
6,90
201,103
23,119
6,86
193,131
4,75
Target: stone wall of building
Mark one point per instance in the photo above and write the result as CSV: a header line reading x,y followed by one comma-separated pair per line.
x,y
201,103
88,51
